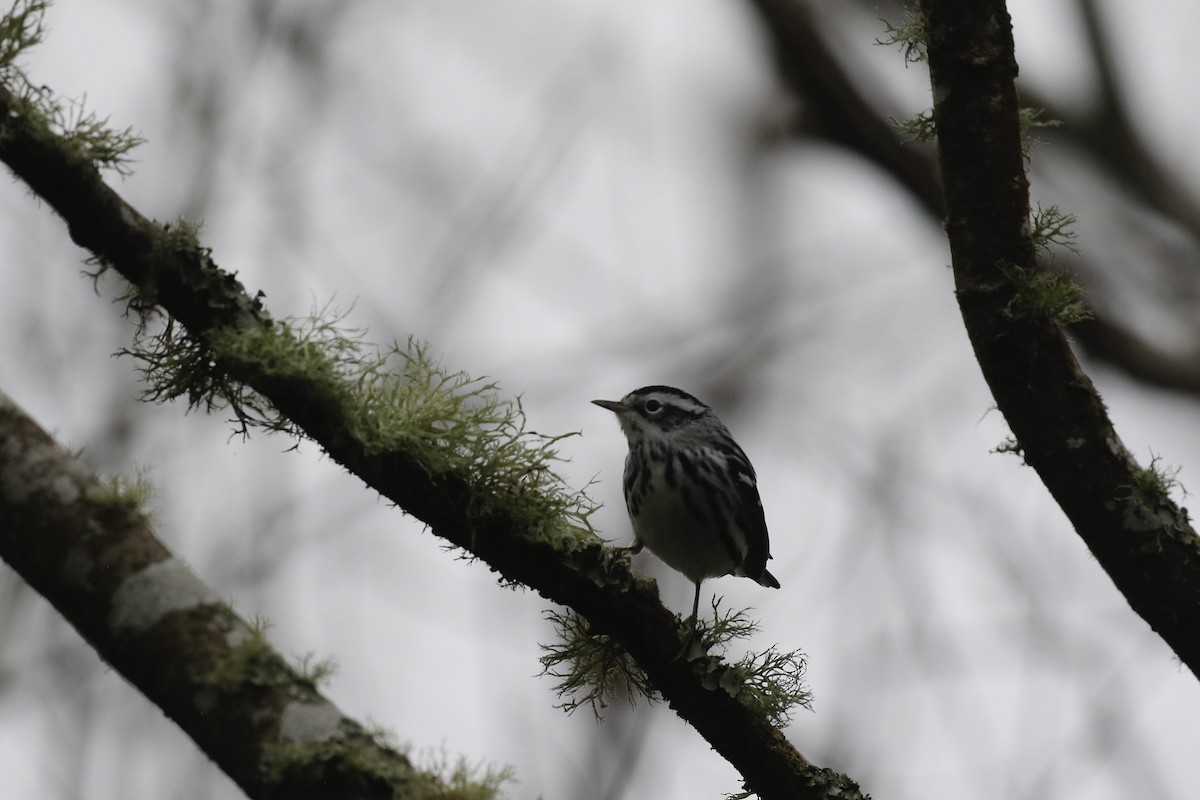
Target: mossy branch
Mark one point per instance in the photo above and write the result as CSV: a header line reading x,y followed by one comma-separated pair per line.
x,y
592,668
450,451
398,399
1050,228
1046,295
911,36
1013,310
84,136
88,547
918,128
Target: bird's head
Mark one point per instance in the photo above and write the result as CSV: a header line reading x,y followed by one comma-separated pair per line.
x,y
658,412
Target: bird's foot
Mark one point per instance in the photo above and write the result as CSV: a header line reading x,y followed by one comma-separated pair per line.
x,y
691,643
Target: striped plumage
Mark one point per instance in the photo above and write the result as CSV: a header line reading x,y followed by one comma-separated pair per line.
x,y
690,490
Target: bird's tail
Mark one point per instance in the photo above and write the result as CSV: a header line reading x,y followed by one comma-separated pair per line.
x,y
768,580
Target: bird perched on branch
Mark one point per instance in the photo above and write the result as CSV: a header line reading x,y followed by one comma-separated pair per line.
x,y
691,492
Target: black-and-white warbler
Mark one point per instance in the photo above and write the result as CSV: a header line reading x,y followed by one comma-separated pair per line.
x,y
691,492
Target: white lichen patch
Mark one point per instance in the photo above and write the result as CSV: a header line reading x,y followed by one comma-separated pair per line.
x,y
1136,520
310,722
29,470
239,635
145,598
64,490
1117,447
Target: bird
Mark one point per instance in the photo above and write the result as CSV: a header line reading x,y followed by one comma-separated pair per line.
x,y
691,492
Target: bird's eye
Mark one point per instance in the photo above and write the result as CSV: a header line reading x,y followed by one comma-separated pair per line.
x,y
653,406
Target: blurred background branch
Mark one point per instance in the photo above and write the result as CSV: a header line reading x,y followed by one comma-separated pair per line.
x,y
88,549
1106,133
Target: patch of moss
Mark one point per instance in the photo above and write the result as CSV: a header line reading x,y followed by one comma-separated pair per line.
x,y
1050,227
590,668
593,668
770,682
911,36
370,759
918,128
125,495
395,399
254,662
1152,485
81,135
1046,295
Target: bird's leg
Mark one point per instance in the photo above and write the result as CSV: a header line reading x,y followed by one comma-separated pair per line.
x,y
633,549
694,618
691,622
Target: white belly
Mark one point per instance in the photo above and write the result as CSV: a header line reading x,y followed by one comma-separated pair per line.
x,y
682,536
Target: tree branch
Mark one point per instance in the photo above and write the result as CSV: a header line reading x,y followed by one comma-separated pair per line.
x,y
810,68
579,573
1121,510
90,550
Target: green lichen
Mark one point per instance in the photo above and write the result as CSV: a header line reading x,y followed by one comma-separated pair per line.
x,y
591,668
353,756
770,682
918,128
1030,120
911,36
1152,485
21,28
371,758
833,785
1050,228
459,778
254,662
604,565
314,670
174,364
128,496
395,399
82,135
1046,295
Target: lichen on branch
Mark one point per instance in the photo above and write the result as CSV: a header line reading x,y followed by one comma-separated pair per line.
x,y
87,137
592,668
397,398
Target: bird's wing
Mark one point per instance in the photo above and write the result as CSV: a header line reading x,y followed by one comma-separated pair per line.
x,y
747,512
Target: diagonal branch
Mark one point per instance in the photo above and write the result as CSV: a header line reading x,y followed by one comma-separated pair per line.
x,y
90,550
578,572
813,71
1121,510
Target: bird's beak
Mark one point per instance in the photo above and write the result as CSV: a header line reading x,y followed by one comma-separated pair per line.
x,y
612,405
